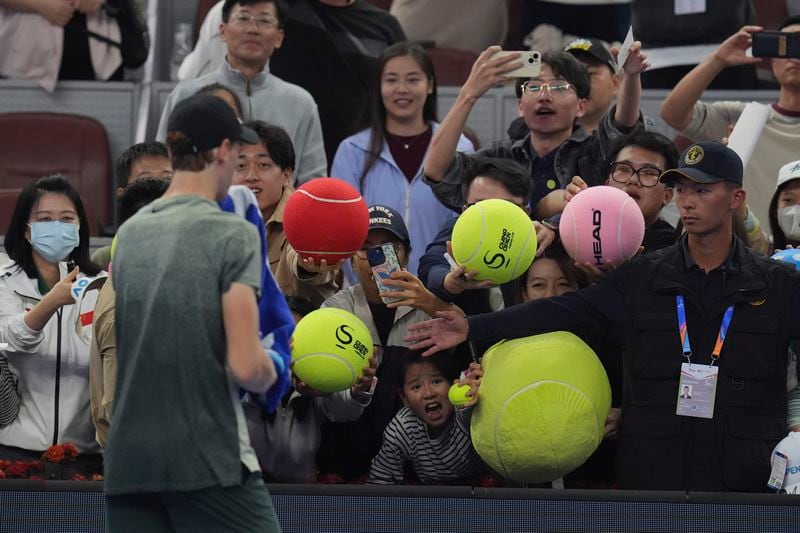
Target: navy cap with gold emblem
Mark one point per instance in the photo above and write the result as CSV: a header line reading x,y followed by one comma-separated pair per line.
x,y
707,162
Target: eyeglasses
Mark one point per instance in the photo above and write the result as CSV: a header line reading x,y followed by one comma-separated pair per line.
x,y
648,175
246,19
554,86
361,253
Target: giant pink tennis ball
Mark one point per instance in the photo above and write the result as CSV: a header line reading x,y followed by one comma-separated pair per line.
x,y
601,225
326,218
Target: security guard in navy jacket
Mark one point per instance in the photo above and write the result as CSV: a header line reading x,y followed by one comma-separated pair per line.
x,y
706,312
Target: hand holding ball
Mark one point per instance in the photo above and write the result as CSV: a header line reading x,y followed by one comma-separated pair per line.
x,y
495,238
330,349
458,395
601,225
327,219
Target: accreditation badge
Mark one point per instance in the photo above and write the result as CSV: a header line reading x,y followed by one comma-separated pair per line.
x,y
697,390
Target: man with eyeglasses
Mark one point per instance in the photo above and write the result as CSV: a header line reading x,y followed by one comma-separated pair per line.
x,y
331,50
557,148
635,163
252,31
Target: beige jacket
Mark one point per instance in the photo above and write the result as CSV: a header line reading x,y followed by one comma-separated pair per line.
x,y
103,362
32,47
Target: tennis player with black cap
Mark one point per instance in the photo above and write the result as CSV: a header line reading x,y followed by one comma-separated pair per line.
x,y
187,275
705,312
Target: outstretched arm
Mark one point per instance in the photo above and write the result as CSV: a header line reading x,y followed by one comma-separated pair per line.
x,y
677,107
486,73
630,92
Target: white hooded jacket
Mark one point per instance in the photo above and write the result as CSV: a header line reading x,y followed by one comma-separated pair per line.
x,y
52,366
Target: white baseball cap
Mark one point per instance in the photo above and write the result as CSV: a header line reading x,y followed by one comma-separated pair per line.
x,y
788,172
790,448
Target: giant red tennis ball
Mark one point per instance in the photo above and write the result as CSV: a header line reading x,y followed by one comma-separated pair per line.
x,y
326,218
601,225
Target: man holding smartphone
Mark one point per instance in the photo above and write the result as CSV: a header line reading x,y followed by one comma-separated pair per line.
x,y
701,121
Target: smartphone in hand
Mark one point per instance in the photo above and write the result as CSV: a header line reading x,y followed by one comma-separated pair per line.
x,y
776,44
383,261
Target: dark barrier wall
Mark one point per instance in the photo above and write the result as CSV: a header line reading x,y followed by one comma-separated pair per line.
x,y
27,506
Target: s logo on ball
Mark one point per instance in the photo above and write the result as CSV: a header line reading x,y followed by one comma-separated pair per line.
x,y
343,336
498,260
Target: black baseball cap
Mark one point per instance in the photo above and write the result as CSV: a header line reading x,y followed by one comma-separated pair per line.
x,y
593,48
707,162
206,121
382,217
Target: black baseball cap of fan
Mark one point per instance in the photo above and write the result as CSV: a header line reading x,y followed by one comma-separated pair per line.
x,y
207,121
592,47
707,162
382,217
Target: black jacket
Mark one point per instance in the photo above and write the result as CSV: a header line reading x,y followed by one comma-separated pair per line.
x,y
636,302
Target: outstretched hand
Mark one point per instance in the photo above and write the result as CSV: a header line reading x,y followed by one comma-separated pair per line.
x,y
636,62
488,71
450,329
733,51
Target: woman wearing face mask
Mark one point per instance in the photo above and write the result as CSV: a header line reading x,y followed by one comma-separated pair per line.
x,y
784,209
38,318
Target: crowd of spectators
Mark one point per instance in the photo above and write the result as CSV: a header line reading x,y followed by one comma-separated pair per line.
x,y
161,359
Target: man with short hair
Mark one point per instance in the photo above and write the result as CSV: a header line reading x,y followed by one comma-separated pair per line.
x,y
635,164
252,31
140,161
731,303
701,121
605,81
556,148
187,277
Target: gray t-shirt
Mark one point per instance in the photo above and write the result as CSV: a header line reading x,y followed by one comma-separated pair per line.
x,y
176,425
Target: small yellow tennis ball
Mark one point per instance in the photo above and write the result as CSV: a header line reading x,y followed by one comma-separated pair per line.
x,y
331,348
496,238
458,395
113,247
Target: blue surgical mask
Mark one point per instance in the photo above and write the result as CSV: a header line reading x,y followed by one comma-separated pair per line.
x,y
54,240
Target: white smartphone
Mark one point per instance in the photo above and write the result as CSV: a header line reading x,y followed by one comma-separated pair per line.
x,y
531,63
383,261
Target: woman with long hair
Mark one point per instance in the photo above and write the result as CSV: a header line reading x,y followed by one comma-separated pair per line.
x,y
47,243
384,159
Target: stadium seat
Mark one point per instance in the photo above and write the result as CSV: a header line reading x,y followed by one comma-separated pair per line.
x,y
452,66
38,144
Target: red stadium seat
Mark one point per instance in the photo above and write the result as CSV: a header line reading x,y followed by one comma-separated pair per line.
x,y
451,66
38,144
203,7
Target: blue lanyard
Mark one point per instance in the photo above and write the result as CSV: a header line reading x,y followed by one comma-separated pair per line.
x,y
683,330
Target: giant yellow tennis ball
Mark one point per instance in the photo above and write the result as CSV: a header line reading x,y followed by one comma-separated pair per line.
x,y
544,403
113,247
330,350
496,238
